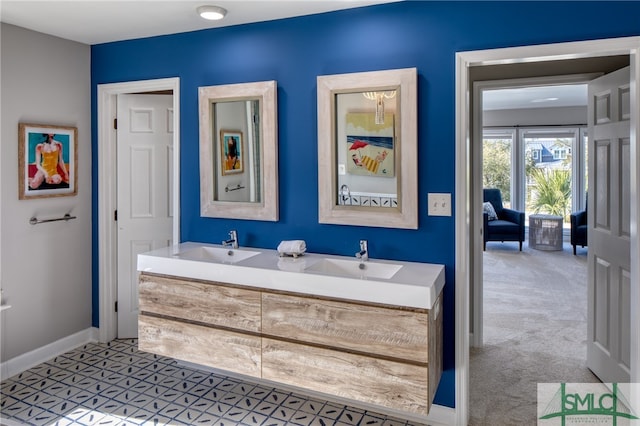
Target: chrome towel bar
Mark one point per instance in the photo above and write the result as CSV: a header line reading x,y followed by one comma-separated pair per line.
x,y
67,217
227,189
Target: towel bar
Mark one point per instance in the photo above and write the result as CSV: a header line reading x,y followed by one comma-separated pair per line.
x,y
227,189
34,220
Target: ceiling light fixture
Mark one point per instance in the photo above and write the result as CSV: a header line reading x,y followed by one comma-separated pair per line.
x,y
212,13
544,100
379,97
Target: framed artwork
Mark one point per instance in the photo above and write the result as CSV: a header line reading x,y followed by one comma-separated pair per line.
x,y
370,146
47,161
231,152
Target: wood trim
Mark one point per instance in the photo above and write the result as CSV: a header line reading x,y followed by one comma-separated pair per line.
x,y
266,93
406,214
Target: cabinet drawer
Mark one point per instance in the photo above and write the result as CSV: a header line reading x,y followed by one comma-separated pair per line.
x,y
383,331
208,346
203,302
386,383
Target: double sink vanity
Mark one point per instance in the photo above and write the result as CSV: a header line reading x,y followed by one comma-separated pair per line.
x,y
366,331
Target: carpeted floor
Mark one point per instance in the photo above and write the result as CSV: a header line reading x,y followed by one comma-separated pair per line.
x,y
535,309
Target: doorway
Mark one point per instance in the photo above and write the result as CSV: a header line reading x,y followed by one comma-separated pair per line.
x,y
107,190
144,135
529,309
532,304
508,127
468,237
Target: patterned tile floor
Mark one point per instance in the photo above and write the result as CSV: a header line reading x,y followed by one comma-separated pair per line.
x,y
115,384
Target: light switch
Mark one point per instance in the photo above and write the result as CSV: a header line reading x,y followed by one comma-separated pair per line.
x,y
439,204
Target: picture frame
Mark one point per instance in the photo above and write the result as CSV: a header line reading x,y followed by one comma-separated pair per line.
x,y
370,146
47,161
231,142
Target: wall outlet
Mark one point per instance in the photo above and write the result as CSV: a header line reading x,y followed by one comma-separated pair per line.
x,y
439,204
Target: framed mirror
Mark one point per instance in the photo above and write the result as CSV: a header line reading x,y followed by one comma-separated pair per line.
x,y
367,149
239,151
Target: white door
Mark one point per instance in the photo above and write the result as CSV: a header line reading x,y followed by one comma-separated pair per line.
x,y
608,341
144,215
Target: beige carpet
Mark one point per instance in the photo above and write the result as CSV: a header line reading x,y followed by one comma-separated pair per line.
x,y
535,307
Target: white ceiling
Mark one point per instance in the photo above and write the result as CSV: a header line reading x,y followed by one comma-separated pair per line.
x,y
535,97
100,21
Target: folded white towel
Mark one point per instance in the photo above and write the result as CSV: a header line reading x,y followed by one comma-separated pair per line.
x,y
292,247
291,264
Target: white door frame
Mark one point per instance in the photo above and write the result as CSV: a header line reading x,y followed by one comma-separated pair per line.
x,y
107,196
467,252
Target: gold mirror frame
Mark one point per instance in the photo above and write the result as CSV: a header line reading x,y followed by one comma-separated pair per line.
x,y
265,93
405,215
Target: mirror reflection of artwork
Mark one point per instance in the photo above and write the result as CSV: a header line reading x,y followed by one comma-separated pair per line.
x,y
232,152
370,146
244,185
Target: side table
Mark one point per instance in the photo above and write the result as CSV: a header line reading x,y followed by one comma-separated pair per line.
x,y
545,232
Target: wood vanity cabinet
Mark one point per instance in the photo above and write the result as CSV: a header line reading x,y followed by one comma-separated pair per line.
x,y
389,356
200,322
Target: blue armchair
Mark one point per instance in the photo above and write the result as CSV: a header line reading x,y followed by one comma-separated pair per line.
x,y
578,229
507,226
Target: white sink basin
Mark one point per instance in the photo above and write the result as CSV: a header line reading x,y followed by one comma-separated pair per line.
x,y
387,282
355,268
217,254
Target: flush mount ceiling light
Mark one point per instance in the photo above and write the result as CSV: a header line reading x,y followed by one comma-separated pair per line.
x,y
535,101
212,13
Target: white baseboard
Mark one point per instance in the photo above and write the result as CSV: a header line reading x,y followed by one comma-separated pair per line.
x,y
439,415
37,356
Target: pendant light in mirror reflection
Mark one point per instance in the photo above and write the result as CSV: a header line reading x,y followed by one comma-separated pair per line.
x,y
379,98
367,148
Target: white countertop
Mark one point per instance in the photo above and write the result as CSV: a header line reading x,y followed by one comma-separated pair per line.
x,y
415,285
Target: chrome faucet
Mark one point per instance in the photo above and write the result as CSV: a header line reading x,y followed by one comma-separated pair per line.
x,y
233,239
344,197
363,254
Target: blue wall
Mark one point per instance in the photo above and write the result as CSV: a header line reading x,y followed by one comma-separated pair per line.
x,y
293,52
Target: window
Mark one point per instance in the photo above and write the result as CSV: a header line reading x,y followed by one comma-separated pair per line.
x,y
548,187
559,154
535,170
497,162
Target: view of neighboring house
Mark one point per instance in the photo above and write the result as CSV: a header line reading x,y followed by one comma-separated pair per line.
x,y
549,192
550,154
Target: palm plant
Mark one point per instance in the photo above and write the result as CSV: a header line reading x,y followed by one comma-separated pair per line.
x,y
552,192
